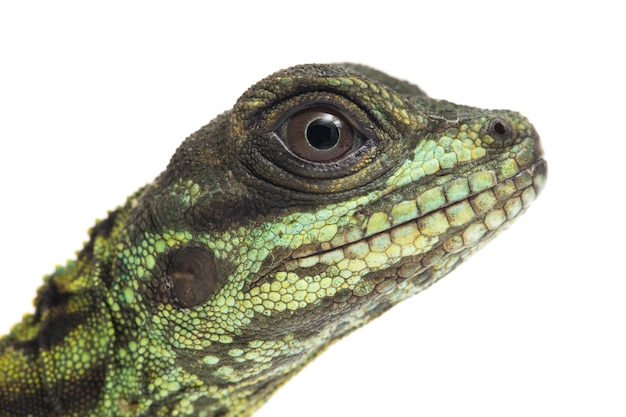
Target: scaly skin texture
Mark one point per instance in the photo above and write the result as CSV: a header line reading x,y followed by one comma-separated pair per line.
x,y
328,194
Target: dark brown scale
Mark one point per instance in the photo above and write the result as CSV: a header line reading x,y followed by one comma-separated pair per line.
x,y
193,274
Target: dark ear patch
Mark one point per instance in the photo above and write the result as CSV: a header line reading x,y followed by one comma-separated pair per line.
x,y
193,274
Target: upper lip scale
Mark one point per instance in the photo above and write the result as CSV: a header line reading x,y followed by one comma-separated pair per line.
x,y
305,253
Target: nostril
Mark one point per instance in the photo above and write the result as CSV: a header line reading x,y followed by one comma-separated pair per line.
x,y
500,129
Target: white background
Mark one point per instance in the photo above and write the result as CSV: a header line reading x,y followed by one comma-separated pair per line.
x,y
95,99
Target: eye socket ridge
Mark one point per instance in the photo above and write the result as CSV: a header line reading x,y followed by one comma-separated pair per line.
x,y
320,134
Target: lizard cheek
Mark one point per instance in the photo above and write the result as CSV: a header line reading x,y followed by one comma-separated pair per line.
x,y
193,275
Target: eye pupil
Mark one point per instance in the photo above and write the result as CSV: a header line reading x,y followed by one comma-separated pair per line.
x,y
323,133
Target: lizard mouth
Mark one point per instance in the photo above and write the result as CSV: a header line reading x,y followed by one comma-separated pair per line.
x,y
454,216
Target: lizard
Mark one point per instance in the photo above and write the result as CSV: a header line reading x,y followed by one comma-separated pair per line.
x,y
328,194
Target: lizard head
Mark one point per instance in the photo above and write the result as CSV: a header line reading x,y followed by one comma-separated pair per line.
x,y
327,195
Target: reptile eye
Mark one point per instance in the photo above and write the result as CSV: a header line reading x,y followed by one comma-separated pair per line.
x,y
499,129
319,134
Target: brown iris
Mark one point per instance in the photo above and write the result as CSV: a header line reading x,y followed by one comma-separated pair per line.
x,y
318,134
